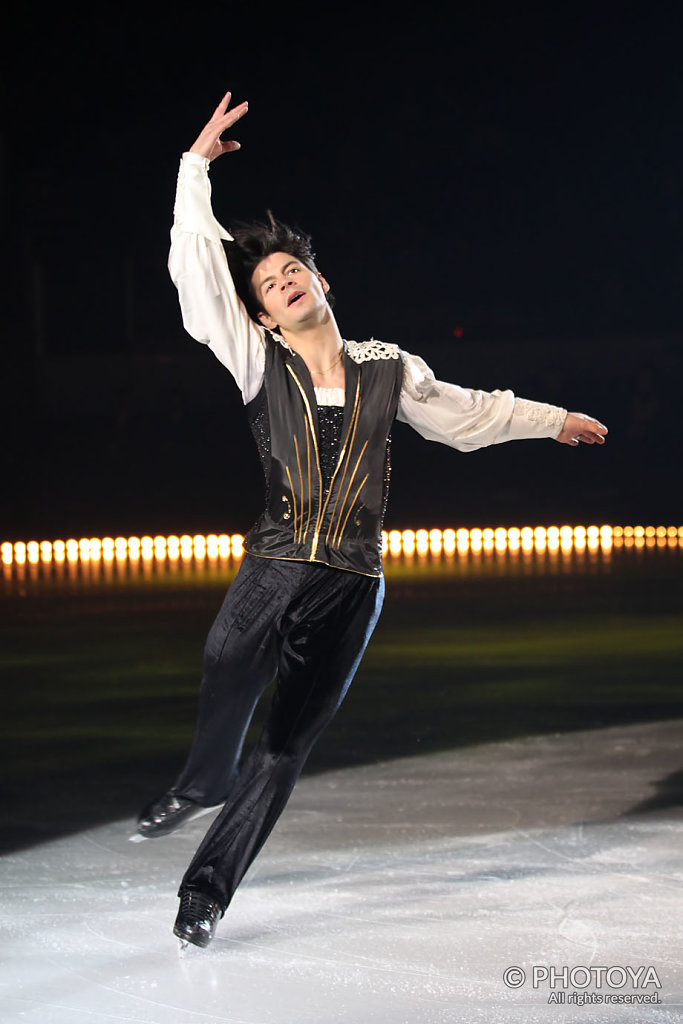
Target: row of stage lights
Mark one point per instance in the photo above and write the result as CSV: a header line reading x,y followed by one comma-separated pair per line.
x,y
539,538
395,542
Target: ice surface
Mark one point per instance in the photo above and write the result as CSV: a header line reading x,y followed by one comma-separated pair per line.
x,y
395,893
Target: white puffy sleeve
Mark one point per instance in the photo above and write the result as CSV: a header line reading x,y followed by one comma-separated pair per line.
x,y
212,312
467,419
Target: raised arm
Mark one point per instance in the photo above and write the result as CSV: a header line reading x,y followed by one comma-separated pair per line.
x,y
212,311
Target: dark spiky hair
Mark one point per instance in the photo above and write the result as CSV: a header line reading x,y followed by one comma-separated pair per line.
x,y
254,242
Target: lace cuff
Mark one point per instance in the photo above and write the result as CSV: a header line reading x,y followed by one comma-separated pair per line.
x,y
536,419
192,210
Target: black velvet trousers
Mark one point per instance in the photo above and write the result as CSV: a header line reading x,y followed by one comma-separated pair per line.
x,y
305,626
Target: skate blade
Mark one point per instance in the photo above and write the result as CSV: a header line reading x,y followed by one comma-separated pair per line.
x,y
187,949
136,838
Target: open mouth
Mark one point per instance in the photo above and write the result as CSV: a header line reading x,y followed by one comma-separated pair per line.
x,y
294,298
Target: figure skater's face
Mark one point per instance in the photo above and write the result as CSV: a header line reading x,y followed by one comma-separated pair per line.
x,y
291,294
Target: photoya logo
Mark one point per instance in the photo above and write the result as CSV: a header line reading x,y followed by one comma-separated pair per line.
x,y
569,984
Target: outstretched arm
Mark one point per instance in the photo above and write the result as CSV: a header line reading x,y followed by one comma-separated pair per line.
x,y
469,419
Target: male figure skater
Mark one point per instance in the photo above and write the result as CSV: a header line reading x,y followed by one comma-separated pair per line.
x,y
309,589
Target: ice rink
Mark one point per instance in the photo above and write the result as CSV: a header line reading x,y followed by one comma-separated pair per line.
x,y
395,893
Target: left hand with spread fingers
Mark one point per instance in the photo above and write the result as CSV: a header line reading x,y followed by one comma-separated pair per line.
x,y
579,427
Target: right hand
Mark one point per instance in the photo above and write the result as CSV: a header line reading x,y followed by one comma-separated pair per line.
x,y
208,143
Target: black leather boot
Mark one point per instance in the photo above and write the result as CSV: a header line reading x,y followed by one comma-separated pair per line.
x,y
197,918
166,814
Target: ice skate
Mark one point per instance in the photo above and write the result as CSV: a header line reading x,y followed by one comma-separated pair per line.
x,y
197,919
167,814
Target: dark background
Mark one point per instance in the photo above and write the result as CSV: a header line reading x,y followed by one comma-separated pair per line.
x,y
496,187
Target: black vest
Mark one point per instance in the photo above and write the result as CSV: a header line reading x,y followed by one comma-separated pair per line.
x,y
342,528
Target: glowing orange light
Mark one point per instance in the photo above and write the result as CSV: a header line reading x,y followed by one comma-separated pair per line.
x,y
408,541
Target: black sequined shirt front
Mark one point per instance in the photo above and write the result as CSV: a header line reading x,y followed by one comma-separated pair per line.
x,y
330,420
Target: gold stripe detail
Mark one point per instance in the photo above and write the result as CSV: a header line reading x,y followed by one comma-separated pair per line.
x,y
301,480
293,497
351,478
308,463
352,504
354,420
317,455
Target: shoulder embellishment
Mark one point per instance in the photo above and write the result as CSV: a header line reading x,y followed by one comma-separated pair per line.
x,y
364,351
278,337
